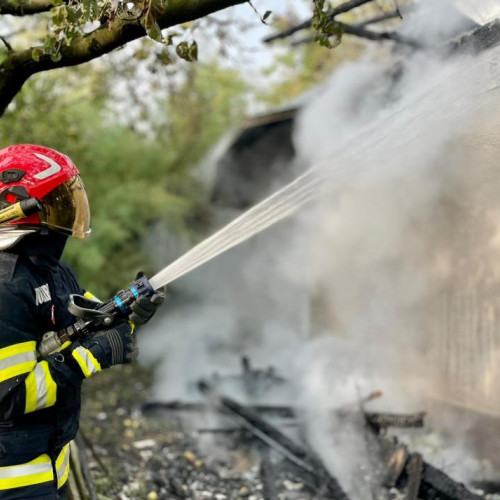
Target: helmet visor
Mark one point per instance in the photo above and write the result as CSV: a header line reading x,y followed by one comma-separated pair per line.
x,y
66,209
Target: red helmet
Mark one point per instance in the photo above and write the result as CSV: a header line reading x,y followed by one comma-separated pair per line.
x,y
29,171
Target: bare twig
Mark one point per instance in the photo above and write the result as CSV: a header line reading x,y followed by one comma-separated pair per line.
x,y
262,18
7,44
379,19
341,9
361,32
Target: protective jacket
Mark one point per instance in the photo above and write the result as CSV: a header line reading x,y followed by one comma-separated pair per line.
x,y
39,399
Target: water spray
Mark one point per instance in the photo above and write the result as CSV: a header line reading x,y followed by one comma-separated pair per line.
x,y
94,316
273,209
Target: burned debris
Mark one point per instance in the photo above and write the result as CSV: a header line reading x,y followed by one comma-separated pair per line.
x,y
286,461
312,470
380,422
408,471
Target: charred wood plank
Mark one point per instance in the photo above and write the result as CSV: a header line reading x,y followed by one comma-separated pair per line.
x,y
487,487
316,474
435,484
381,421
414,469
233,430
436,481
269,410
267,476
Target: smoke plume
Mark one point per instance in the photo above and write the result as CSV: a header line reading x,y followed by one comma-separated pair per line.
x,y
390,282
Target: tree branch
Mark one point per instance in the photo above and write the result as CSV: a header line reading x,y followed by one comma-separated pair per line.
x,y
349,29
19,66
341,9
24,7
380,19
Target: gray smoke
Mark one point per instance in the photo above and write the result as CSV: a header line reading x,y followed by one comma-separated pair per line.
x,y
402,254
390,282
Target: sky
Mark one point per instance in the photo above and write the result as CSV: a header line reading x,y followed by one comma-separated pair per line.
x,y
247,31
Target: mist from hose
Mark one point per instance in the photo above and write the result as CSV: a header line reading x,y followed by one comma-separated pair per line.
x,y
276,207
477,77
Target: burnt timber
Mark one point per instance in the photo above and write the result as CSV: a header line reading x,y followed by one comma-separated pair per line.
x,y
314,472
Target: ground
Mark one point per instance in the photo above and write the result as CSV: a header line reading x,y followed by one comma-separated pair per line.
x,y
144,458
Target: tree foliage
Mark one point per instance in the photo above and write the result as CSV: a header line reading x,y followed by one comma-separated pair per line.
x,y
303,68
82,30
132,180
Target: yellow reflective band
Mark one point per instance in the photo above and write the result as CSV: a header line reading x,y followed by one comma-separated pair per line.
x,y
62,466
35,472
91,296
66,344
50,385
17,359
16,370
31,392
12,350
41,390
86,360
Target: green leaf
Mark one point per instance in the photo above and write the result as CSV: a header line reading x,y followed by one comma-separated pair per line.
x,y
164,57
49,44
154,9
154,32
187,51
36,53
70,15
56,57
266,15
193,51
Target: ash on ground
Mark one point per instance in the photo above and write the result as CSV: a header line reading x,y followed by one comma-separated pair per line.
x,y
135,457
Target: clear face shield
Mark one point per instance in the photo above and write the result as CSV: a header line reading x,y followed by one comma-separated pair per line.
x,y
66,209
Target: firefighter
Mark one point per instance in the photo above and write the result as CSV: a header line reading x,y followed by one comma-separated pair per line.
x,y
40,399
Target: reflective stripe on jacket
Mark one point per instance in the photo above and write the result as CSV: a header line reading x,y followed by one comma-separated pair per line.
x,y
39,399
40,476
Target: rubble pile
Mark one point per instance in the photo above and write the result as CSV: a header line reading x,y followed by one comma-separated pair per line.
x,y
139,449
132,457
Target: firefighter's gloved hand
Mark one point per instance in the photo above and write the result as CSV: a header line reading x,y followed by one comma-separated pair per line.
x,y
116,346
144,308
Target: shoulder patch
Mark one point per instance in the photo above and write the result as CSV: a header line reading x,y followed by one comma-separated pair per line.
x,y
8,263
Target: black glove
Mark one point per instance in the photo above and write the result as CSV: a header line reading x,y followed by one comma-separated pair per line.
x,y
144,308
113,347
83,359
